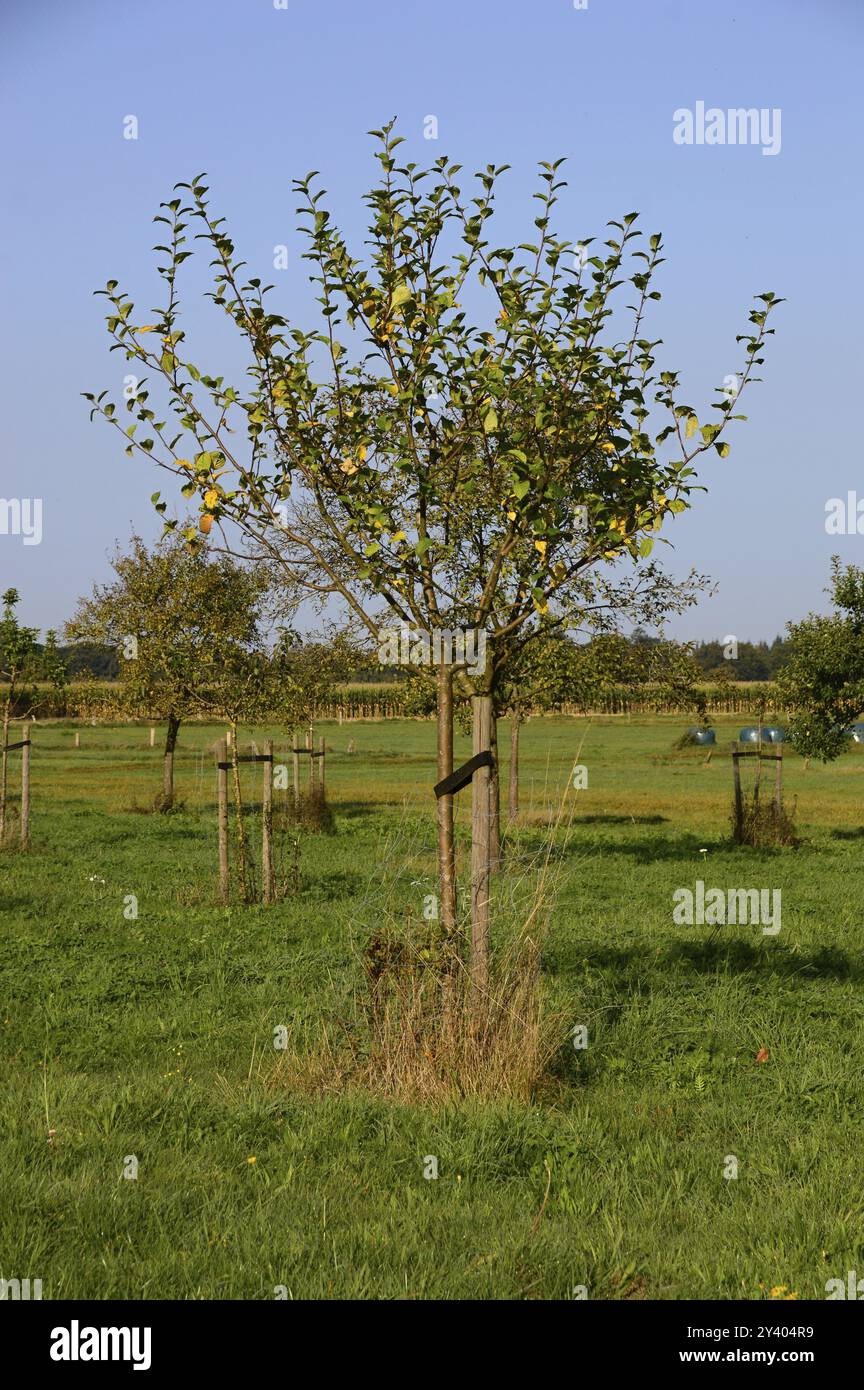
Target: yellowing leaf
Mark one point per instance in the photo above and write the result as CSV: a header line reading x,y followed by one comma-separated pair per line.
x,y
350,467
541,547
211,497
205,524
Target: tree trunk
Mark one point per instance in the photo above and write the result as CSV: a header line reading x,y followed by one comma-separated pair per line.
x,y
446,837
513,794
494,799
480,846
168,762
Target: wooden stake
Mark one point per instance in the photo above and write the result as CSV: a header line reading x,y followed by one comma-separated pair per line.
x,y
311,763
778,782
513,798
446,837
77,738
480,846
222,797
494,799
295,759
152,738
322,751
25,787
267,884
739,805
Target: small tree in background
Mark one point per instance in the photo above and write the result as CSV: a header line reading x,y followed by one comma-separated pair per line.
x,y
22,662
553,671
179,622
822,684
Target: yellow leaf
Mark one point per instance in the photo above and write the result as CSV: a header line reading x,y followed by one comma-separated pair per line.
x,y
540,546
147,328
205,524
211,497
350,467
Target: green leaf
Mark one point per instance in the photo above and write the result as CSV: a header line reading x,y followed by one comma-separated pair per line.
x,y
401,295
490,423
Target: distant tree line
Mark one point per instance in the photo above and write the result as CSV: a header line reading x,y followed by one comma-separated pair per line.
x,y
755,661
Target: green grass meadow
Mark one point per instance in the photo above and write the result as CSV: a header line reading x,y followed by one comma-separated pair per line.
x,y
153,1036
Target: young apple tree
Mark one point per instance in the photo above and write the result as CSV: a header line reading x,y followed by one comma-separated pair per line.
x,y
822,684
177,620
464,438
24,668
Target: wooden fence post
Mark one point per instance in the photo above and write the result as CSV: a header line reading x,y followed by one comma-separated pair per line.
x,y
25,787
322,758
152,738
222,797
480,845
778,782
513,790
77,738
311,764
739,806
267,884
295,759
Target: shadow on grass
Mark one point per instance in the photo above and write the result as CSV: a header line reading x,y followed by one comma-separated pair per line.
x,y
621,820
327,886
632,967
643,849
356,810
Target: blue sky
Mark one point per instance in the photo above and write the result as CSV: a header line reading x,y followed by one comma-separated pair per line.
x,y
256,96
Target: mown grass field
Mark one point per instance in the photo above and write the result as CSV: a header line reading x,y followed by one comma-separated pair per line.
x,y
153,1037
